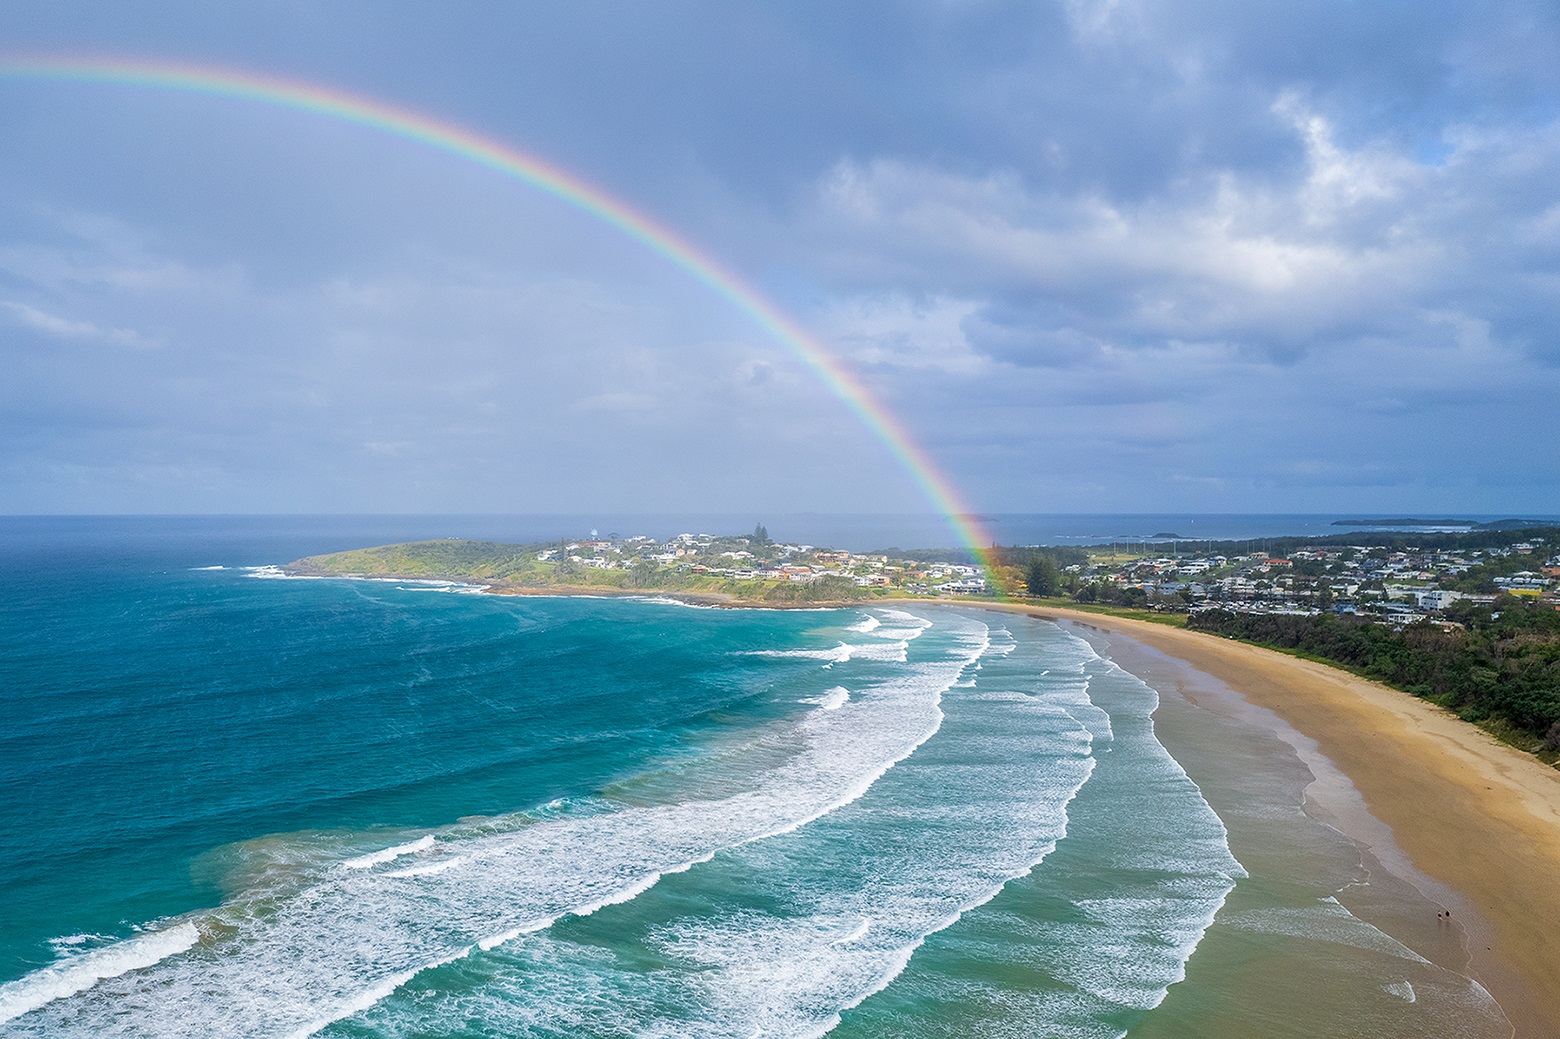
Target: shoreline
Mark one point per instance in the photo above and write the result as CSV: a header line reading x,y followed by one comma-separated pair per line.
x,y
1471,823
1474,821
709,600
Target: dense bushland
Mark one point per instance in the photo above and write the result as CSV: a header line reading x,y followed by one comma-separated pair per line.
x,y
1501,669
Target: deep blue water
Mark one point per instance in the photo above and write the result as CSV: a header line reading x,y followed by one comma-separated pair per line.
x,y
158,712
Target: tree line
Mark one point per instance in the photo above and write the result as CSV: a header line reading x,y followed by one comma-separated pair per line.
x,y
1501,668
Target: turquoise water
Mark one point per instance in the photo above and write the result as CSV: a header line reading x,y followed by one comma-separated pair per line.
x,y
231,804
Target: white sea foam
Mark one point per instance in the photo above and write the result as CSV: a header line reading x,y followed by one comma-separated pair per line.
x,y
666,600
361,1001
414,584
846,903
429,870
796,976
271,572
1325,921
892,652
1403,990
905,617
858,931
892,625
999,695
900,634
1002,643
1131,941
791,968
374,858
72,941
896,634
208,568
291,964
447,587
631,892
837,655
854,898
831,700
80,973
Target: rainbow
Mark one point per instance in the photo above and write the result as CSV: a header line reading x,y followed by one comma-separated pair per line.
x,y
456,140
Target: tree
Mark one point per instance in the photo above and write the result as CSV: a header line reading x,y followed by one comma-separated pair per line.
x,y
1041,576
760,535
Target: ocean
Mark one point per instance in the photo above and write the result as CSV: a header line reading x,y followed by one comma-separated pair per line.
x,y
234,804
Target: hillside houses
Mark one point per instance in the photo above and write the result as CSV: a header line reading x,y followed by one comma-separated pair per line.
x,y
748,559
1394,585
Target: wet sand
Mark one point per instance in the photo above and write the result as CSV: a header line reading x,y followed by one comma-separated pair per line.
x,y
1459,820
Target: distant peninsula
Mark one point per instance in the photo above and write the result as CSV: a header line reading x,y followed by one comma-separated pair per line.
x,y
1412,521
748,569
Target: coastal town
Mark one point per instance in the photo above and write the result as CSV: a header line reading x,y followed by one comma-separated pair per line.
x,y
700,558
1393,578
1372,578
1369,579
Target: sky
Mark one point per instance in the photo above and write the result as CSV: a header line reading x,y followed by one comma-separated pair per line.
x,y
1118,256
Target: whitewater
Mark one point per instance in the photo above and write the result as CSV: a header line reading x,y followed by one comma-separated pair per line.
x,y
366,811
232,804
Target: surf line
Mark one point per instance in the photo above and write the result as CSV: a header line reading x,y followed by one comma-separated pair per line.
x,y
454,139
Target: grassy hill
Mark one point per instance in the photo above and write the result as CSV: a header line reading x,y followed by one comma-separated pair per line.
x,y
448,559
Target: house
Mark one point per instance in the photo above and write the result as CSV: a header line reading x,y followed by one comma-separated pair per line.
x,y
1435,598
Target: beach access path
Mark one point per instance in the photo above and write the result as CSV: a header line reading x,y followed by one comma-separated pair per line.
x,y
1469,812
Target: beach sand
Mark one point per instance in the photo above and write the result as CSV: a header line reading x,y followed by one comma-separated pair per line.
x,y
1445,815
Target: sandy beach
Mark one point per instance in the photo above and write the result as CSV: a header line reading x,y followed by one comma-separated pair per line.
x,y
1476,821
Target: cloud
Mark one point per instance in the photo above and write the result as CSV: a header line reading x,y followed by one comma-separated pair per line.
x,y
442,379
1093,253
899,332
67,328
754,373
1363,242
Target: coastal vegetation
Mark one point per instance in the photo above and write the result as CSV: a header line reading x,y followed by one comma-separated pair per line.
x,y
1499,666
448,559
